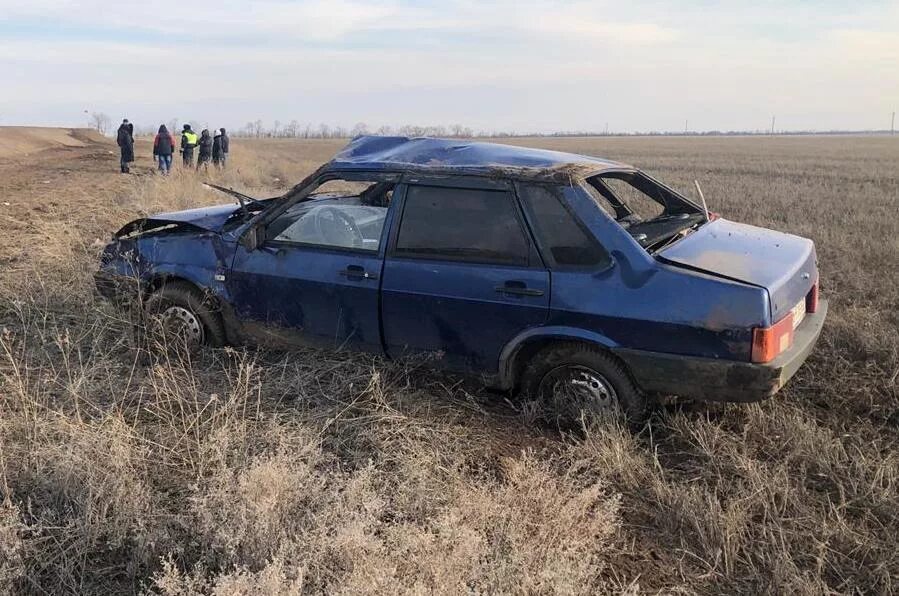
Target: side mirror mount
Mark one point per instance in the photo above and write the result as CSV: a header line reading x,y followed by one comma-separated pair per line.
x,y
250,239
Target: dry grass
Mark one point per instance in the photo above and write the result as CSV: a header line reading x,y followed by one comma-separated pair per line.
x,y
244,472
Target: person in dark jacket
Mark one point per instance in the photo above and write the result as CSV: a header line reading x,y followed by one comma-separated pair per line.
x,y
218,152
205,146
163,148
188,142
225,146
125,141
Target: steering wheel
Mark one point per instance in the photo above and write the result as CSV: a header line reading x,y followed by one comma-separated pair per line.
x,y
336,234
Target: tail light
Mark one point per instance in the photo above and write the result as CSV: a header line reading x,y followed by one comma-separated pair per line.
x,y
811,300
768,342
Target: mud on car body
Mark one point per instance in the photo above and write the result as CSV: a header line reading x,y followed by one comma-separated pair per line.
x,y
564,276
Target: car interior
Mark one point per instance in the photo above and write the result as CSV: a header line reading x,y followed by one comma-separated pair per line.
x,y
351,219
650,212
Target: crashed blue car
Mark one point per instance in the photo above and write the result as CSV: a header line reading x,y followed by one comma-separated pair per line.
x,y
550,273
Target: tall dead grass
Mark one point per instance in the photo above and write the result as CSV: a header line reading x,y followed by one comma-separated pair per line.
x,y
243,472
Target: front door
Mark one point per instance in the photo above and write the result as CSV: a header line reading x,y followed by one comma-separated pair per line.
x,y
315,279
462,277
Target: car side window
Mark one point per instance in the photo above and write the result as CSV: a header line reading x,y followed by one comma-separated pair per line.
x,y
462,224
331,222
568,242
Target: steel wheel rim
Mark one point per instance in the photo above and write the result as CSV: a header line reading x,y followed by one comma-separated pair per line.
x,y
177,321
579,387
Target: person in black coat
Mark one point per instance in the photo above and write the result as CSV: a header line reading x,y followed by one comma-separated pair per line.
x,y
218,155
125,141
205,150
226,142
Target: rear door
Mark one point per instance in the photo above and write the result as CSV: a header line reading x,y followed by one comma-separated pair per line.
x,y
462,276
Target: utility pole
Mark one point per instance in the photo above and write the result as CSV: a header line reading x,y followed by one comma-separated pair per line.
x,y
606,132
772,124
893,124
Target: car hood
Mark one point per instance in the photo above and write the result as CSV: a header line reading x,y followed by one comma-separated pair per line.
x,y
783,264
209,219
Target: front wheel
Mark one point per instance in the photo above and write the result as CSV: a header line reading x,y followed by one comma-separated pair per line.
x,y
571,379
178,314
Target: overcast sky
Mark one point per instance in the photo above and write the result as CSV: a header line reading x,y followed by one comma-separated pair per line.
x,y
523,66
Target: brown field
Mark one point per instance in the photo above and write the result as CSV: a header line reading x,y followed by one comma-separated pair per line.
x,y
243,472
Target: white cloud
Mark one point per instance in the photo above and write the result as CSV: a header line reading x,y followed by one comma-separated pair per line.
x,y
535,64
340,19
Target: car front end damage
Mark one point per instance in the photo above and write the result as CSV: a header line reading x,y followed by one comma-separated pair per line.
x,y
183,244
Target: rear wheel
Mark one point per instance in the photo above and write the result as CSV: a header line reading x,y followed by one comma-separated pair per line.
x,y
572,379
178,314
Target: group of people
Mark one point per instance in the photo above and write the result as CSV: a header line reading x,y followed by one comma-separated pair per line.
x,y
209,148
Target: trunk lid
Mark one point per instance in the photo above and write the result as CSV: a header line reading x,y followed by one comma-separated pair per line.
x,y
783,264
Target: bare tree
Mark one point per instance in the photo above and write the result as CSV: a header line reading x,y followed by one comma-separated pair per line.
x,y
100,121
257,128
293,129
457,130
359,130
385,131
276,127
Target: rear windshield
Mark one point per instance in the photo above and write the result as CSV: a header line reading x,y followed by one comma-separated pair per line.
x,y
651,212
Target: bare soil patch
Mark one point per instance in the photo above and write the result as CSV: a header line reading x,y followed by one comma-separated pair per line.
x,y
24,140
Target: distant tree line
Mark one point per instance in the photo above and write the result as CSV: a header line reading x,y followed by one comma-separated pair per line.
x,y
296,130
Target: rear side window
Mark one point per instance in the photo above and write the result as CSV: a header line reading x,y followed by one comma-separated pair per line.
x,y
462,224
569,244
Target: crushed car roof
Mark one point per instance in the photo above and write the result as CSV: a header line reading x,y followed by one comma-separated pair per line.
x,y
430,154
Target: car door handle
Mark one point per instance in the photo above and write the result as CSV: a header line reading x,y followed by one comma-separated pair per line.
x,y
518,289
357,272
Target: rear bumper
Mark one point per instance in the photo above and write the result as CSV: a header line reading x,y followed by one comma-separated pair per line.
x,y
724,380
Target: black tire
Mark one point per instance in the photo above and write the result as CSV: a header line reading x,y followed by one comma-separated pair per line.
x,y
578,358
186,296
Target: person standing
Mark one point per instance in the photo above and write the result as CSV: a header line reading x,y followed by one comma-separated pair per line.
x,y
205,153
225,146
217,154
163,148
125,141
188,142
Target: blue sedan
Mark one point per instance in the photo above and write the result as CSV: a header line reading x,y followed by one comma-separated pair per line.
x,y
570,278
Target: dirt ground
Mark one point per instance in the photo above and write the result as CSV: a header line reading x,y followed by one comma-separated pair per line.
x,y
241,472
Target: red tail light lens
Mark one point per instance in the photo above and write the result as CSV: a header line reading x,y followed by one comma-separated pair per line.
x,y
811,300
769,342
